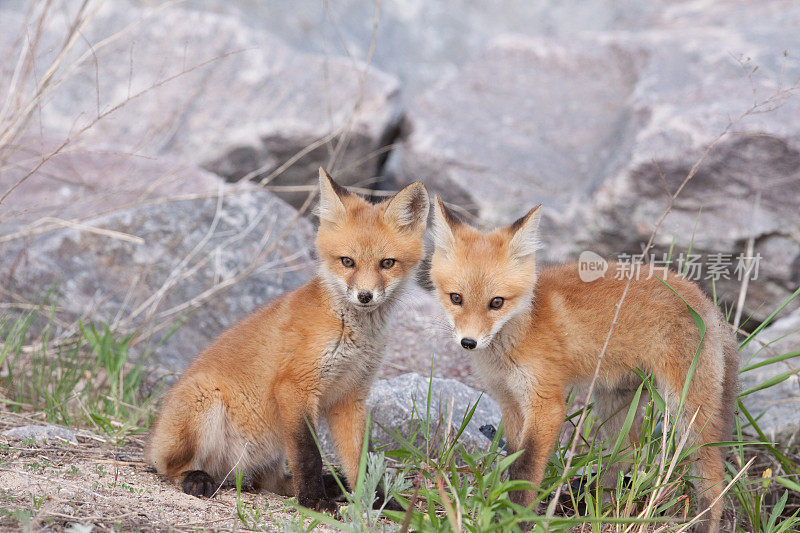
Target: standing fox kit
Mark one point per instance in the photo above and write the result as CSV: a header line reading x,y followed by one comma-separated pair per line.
x,y
533,334
253,397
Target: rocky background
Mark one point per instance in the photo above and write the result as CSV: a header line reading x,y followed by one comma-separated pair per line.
x,y
158,162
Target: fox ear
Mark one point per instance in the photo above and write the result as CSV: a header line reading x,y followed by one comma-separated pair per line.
x,y
525,231
408,209
330,209
443,223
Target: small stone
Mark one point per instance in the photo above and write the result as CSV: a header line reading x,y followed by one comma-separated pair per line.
x,y
49,433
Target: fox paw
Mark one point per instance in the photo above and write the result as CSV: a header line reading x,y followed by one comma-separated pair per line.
x,y
323,505
198,483
332,489
328,506
391,505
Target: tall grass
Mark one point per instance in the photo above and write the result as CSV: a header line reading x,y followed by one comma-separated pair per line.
x,y
87,379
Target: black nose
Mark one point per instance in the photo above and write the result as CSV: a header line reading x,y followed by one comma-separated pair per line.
x,y
468,343
364,297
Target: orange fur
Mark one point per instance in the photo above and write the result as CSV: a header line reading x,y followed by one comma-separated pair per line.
x,y
249,398
550,330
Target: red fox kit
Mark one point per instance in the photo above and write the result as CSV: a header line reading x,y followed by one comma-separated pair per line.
x,y
251,396
534,333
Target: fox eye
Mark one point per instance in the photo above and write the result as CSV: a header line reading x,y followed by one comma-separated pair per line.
x,y
387,263
455,298
496,303
348,262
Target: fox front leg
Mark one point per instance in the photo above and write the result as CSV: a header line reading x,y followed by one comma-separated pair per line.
x,y
542,423
298,416
347,420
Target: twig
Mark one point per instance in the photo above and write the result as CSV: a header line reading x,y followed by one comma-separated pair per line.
x,y
127,237
241,455
748,260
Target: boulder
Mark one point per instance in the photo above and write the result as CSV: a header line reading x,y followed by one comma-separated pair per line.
x,y
209,90
602,128
777,406
527,122
120,239
452,33
392,402
81,183
699,82
399,405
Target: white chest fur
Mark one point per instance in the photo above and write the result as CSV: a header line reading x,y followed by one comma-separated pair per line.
x,y
503,377
352,360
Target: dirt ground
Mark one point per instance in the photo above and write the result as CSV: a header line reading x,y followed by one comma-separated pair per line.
x,y
63,486
93,485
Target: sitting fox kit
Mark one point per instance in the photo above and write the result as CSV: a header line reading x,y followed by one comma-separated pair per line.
x,y
253,397
534,333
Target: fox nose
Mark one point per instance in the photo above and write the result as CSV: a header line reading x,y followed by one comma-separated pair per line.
x,y
364,297
468,343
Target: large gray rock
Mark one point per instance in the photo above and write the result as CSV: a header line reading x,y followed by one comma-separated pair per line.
x,y
210,90
392,402
81,183
603,129
527,122
119,249
452,33
779,405
691,89
399,405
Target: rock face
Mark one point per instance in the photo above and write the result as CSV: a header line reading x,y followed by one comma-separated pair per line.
x,y
545,125
207,89
779,403
603,129
452,33
145,259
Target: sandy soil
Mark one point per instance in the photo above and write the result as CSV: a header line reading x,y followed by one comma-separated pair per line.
x,y
57,485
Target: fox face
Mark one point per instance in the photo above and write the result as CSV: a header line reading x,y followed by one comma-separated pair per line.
x,y
366,251
483,280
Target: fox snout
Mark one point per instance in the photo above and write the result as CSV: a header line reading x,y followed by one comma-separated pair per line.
x,y
469,343
472,341
365,297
